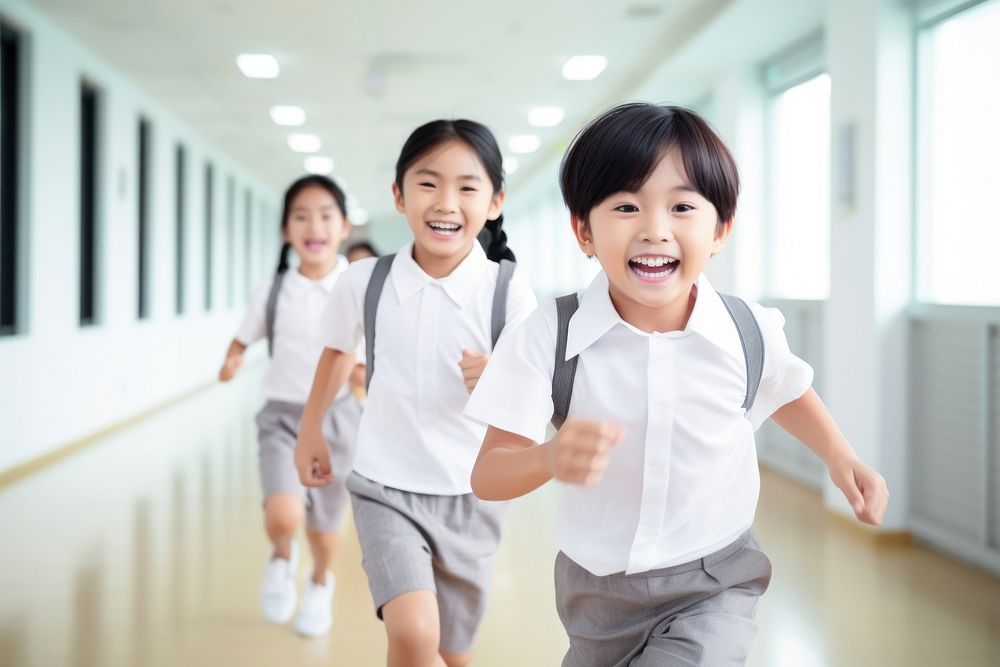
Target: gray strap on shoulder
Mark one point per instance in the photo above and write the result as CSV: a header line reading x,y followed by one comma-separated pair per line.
x,y
752,341
372,296
565,369
271,309
506,271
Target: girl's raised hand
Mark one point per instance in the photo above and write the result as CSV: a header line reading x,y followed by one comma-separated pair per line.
x,y
472,364
582,449
312,458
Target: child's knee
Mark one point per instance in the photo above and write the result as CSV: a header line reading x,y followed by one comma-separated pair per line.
x,y
283,513
415,635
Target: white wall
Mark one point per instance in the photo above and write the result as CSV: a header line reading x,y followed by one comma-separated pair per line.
x,y
868,56
61,382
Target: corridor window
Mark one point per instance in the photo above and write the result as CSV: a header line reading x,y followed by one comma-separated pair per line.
x,y
180,202
10,133
142,217
209,231
89,183
798,211
958,138
230,242
266,236
248,263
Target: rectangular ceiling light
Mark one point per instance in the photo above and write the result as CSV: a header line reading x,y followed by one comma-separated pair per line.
x,y
317,164
546,116
524,143
584,68
258,65
288,115
304,143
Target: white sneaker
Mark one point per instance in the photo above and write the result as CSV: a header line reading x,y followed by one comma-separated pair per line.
x,y
316,609
277,591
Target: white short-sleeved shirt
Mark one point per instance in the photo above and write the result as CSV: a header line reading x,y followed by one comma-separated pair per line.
x,y
684,482
298,340
414,435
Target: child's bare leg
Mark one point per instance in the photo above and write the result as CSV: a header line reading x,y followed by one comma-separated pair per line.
x,y
414,630
457,659
324,547
283,514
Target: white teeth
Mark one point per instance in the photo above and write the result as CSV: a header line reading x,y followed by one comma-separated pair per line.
x,y
444,226
653,261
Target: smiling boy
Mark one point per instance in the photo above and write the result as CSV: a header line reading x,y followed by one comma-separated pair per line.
x,y
657,383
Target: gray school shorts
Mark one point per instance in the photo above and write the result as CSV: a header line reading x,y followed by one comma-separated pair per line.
x,y
697,613
277,430
444,544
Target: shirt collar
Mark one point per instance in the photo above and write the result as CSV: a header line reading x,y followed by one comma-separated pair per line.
x,y
594,318
711,320
597,315
326,282
408,278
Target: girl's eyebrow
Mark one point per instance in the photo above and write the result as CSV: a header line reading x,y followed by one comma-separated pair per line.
x,y
434,174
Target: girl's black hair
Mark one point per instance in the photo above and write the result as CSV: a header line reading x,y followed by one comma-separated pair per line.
x,y
494,241
478,137
362,245
617,152
312,180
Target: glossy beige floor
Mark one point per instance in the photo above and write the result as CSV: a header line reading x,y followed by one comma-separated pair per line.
x,y
146,549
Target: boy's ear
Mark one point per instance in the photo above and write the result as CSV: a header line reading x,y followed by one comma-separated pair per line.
x,y
496,205
722,231
397,196
581,230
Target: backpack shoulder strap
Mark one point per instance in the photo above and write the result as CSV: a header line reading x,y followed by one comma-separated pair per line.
x,y
506,272
271,309
372,296
565,369
752,340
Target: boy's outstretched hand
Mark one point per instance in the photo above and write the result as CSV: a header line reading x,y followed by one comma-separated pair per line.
x,y
864,489
581,450
312,459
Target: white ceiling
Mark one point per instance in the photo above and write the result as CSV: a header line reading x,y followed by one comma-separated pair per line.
x,y
368,72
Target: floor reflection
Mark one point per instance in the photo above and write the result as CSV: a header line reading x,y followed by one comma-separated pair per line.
x,y
147,549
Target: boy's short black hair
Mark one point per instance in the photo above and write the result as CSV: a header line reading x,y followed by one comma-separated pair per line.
x,y
618,150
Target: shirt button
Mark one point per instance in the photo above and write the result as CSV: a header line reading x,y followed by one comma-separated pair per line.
x,y
658,412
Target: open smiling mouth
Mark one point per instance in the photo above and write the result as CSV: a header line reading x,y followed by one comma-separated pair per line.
x,y
315,245
653,268
444,230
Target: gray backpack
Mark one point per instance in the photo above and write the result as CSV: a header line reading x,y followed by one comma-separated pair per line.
x,y
374,293
565,369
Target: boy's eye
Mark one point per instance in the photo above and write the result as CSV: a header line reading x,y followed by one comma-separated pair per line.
x,y
426,185
627,208
468,189
683,208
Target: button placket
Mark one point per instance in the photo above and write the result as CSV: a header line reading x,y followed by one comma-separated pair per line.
x,y
657,444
